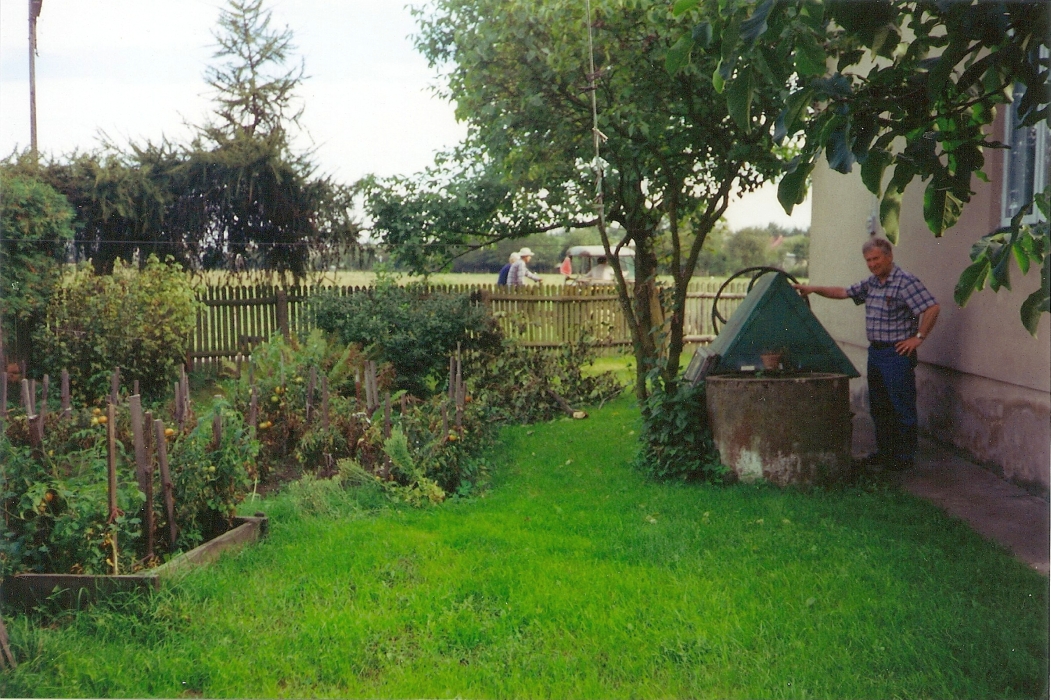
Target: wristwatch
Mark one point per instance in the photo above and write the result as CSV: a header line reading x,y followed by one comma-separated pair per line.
x,y
920,336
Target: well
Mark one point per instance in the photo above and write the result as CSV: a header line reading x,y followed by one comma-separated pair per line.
x,y
790,429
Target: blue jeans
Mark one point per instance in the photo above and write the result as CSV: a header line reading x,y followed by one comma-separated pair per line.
x,y
892,402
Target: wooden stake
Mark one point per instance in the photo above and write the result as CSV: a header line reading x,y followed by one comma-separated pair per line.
x,y
67,409
386,414
253,408
25,397
111,458
114,386
41,416
30,395
3,398
217,430
311,386
167,488
452,378
6,657
45,386
178,398
324,401
135,386
139,440
150,524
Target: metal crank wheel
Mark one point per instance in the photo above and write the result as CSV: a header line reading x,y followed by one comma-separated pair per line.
x,y
756,272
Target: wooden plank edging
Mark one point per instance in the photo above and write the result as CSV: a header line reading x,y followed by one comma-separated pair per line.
x,y
74,591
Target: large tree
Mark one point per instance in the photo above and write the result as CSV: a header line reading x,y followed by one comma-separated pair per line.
x,y
905,88
673,155
236,195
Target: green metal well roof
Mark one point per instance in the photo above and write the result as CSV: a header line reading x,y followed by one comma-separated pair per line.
x,y
774,317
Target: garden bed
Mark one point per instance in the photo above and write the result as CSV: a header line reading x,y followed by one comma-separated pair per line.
x,y
72,591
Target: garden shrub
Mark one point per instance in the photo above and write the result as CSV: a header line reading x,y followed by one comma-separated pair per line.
x,y
209,482
54,498
140,320
418,462
55,507
37,225
518,383
676,441
281,372
412,329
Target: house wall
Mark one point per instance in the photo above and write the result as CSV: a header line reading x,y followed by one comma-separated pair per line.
x,y
984,383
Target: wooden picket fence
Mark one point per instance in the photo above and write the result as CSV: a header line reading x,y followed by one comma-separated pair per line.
x,y
233,319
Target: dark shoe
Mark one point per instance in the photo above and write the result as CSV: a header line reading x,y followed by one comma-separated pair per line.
x,y
873,462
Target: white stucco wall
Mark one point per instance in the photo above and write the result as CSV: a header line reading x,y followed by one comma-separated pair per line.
x,y
984,382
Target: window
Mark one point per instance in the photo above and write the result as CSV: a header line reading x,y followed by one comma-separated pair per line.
x,y
1025,164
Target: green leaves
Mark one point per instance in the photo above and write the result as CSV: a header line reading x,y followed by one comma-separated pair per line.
x,y
872,169
791,118
941,208
683,6
991,259
1039,302
756,25
793,186
810,57
890,214
739,99
679,54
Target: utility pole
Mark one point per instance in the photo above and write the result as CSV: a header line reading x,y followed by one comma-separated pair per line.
x,y
34,12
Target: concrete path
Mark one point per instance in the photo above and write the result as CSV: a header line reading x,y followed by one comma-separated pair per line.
x,y
995,508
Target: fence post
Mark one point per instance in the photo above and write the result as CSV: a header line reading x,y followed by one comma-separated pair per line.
x,y
282,313
167,488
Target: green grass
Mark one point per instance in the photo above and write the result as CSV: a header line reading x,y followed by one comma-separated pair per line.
x,y
573,577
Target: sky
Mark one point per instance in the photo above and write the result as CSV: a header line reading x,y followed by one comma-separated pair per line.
x,y
134,70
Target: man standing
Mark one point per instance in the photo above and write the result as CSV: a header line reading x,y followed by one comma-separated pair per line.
x,y
899,314
519,271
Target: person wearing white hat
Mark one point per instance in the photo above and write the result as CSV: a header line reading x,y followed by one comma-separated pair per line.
x,y
519,272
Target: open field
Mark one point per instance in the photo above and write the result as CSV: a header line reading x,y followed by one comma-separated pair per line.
x,y
572,577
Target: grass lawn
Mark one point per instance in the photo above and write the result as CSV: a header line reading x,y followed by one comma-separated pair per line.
x,y
573,577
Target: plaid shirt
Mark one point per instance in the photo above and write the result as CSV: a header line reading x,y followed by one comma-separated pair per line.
x,y
892,308
518,274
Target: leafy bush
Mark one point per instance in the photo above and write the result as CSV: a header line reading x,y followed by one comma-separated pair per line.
x,y
676,441
413,330
281,371
55,507
54,498
209,481
138,320
519,384
37,224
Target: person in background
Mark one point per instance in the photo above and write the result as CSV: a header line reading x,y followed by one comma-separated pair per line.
x,y
519,271
899,315
566,268
501,279
602,271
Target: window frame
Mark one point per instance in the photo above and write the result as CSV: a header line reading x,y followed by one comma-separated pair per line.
x,y
1041,164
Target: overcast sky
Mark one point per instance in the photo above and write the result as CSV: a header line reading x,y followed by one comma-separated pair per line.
x,y
133,69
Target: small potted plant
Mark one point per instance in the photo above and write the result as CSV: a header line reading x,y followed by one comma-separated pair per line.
x,y
772,359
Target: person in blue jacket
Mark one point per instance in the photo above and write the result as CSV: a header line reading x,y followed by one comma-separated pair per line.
x,y
501,279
